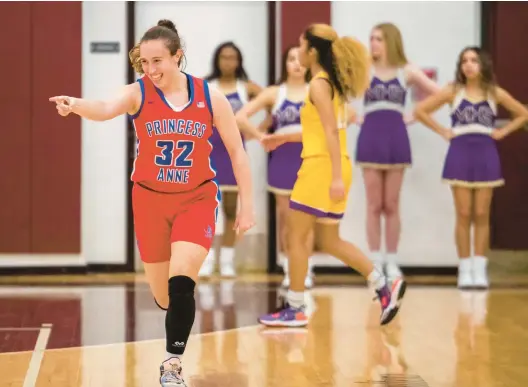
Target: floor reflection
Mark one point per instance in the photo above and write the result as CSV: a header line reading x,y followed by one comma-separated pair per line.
x,y
113,336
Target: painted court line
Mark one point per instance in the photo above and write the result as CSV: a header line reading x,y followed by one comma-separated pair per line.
x,y
38,354
150,341
26,329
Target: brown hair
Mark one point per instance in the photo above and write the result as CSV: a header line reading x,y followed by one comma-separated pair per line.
x,y
393,44
284,70
240,71
488,82
345,59
165,30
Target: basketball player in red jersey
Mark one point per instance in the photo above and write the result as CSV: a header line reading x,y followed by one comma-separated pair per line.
x,y
175,198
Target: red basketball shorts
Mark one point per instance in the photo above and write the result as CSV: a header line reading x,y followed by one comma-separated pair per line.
x,y
163,218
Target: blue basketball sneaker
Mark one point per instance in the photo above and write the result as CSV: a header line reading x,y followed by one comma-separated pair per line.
x,y
288,316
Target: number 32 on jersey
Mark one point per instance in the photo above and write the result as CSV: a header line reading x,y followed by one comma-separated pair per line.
x,y
166,158
181,160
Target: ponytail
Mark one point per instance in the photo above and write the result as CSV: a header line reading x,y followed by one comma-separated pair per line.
x,y
346,60
133,55
165,30
352,66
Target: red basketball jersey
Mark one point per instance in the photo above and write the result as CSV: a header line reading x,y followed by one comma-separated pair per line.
x,y
173,152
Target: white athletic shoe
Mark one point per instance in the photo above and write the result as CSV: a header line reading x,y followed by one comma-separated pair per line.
x,y
465,273
171,373
208,265
480,273
227,262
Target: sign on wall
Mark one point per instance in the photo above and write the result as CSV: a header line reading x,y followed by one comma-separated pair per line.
x,y
104,47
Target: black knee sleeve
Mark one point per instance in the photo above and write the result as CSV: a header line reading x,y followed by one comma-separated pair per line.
x,y
180,315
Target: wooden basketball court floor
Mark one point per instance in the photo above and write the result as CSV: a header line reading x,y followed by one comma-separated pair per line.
x,y
103,331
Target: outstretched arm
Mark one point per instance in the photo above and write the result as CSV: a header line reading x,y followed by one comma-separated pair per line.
x,y
127,101
225,122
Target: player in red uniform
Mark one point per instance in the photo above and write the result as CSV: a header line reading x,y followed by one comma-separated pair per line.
x,y
175,198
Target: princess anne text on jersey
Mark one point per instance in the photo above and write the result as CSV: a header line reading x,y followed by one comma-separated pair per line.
x,y
182,162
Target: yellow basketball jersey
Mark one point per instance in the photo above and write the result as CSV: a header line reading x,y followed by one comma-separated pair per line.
x,y
313,133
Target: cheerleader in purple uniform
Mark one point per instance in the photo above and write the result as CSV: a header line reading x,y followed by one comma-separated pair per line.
x,y
383,149
284,100
472,165
231,78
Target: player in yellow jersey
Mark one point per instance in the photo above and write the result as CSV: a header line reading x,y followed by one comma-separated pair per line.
x,y
340,70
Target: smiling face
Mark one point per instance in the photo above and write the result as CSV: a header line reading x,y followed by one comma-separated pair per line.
x,y
158,63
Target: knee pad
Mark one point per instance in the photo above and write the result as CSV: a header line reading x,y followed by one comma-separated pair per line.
x,y
180,315
181,285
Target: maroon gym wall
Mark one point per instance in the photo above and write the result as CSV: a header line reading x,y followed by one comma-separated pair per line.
x,y
504,36
15,134
40,152
297,15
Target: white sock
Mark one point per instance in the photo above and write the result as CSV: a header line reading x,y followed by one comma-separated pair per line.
x,y
376,257
376,279
392,258
310,266
465,264
207,297
227,296
295,299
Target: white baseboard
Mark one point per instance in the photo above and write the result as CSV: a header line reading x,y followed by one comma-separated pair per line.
x,y
41,260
